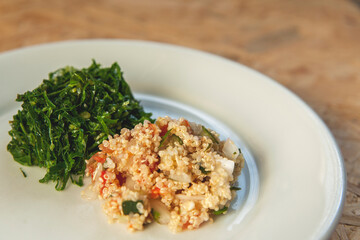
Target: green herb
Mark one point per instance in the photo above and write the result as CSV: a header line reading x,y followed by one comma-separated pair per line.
x,y
22,171
176,138
130,206
155,214
164,138
235,188
220,211
206,132
202,169
208,147
63,121
170,138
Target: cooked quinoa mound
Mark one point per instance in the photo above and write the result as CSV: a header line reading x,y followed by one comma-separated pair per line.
x,y
174,172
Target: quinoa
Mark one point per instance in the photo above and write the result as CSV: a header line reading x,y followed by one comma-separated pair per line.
x,y
174,172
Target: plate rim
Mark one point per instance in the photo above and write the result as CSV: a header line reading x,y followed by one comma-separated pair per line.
x,y
329,226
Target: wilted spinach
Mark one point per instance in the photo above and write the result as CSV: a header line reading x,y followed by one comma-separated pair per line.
x,y
63,121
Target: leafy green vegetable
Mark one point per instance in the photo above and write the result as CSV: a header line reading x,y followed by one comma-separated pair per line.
x,y
176,138
202,169
155,214
206,132
130,207
63,121
220,211
170,138
208,147
164,138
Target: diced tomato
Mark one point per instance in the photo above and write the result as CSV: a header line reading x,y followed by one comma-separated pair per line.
x,y
99,158
163,130
102,177
187,125
153,166
155,192
186,225
91,170
121,178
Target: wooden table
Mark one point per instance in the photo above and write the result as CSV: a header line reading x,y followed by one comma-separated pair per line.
x,y
311,47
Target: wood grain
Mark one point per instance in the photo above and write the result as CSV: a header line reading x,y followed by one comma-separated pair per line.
x,y
311,47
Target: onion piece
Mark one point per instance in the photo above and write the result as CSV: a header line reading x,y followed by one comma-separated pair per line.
x,y
196,128
230,150
164,213
184,197
129,183
226,164
182,177
121,219
97,172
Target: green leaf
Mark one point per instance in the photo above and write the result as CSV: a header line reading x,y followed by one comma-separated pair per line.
x,y
235,188
164,138
206,132
170,138
130,206
202,169
220,211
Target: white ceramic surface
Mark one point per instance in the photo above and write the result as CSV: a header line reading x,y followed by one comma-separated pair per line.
x,y
293,190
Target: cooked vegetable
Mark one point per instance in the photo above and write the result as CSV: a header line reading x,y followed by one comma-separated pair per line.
x,y
230,150
180,177
131,206
202,169
164,138
206,132
235,188
170,138
160,212
176,138
155,214
220,211
228,165
63,121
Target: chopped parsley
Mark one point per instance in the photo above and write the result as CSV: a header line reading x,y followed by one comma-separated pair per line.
x,y
130,206
202,169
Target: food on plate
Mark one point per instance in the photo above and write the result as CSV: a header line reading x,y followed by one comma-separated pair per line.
x,y
63,121
173,172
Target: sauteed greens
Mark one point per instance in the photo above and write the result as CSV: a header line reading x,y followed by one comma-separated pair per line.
x,y
63,121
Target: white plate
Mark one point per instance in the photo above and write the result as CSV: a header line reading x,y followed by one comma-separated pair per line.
x,y
294,189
